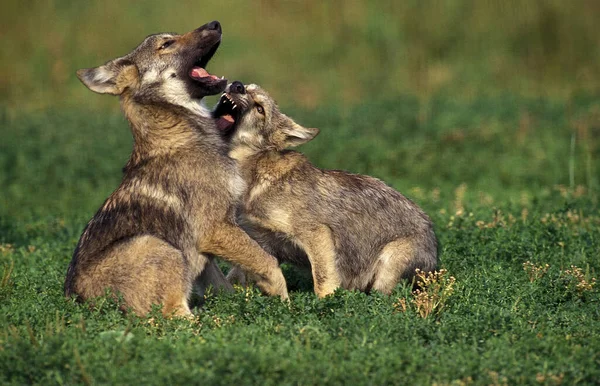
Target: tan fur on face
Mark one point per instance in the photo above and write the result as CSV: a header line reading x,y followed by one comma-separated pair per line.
x,y
268,130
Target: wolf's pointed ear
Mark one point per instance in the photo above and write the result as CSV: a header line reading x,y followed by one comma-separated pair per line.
x,y
297,135
111,78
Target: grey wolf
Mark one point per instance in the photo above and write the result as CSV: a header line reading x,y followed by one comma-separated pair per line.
x,y
155,236
354,231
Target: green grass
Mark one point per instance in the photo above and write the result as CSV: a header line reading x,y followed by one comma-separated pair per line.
x,y
487,114
494,174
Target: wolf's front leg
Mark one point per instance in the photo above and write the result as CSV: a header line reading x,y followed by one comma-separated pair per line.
x,y
234,245
317,242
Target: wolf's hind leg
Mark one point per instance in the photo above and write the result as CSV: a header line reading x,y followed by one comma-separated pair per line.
x,y
145,270
211,276
237,276
396,258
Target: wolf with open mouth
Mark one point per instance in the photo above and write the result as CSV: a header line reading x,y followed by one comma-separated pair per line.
x,y
155,236
353,231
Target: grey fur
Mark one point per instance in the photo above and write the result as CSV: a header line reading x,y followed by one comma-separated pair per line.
x,y
353,230
155,235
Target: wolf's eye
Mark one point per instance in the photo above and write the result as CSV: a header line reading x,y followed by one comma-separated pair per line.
x,y
260,109
166,44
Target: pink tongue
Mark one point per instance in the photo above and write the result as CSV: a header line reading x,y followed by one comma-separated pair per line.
x,y
225,122
199,72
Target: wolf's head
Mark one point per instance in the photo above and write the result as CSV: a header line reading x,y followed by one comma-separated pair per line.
x,y
164,68
249,117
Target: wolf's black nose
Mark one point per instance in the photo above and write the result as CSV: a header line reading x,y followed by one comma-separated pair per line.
x,y
237,87
215,25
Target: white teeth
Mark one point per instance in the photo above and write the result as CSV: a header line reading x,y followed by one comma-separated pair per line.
x,y
234,106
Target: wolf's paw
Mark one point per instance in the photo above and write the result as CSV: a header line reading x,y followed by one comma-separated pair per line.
x,y
274,285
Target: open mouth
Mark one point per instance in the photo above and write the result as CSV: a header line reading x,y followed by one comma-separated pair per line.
x,y
198,71
227,113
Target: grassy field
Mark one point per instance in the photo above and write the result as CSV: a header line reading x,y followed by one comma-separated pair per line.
x,y
496,187
488,116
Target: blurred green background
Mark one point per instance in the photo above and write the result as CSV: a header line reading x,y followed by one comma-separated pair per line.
x,y
498,100
315,52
